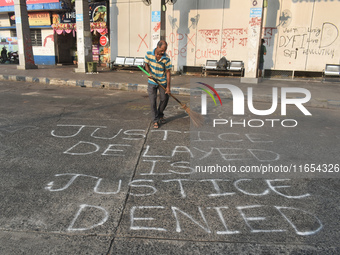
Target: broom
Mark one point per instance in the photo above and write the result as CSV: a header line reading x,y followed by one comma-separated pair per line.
x,y
195,117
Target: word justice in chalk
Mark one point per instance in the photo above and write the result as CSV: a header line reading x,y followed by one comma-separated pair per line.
x,y
72,131
97,132
149,187
252,219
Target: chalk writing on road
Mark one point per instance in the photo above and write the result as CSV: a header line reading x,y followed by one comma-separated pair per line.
x,y
150,187
170,170
228,153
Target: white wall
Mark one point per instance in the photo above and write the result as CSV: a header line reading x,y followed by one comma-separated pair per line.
x,y
47,48
130,29
299,35
309,38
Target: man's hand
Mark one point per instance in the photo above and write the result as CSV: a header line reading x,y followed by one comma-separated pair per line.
x,y
167,90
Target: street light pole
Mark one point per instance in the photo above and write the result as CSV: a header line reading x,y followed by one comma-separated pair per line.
x,y
163,20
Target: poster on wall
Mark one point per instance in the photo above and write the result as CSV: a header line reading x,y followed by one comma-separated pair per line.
x,y
104,55
97,12
95,53
156,16
156,25
11,43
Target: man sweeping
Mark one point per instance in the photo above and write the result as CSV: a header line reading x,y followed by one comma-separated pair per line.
x,y
158,65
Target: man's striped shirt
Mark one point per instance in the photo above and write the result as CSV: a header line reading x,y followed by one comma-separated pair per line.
x,y
158,68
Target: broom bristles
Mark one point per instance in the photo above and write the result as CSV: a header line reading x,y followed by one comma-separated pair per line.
x,y
195,117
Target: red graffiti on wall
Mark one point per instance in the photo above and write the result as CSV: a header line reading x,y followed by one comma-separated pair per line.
x,y
268,31
190,40
210,35
234,31
157,27
232,35
255,21
210,53
48,37
28,50
243,41
142,41
229,38
172,38
175,52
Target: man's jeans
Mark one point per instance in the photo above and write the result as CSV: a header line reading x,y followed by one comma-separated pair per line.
x,y
157,113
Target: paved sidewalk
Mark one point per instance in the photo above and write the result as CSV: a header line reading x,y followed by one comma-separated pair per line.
x,y
325,94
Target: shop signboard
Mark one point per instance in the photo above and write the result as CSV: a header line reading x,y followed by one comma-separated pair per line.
x,y
68,17
103,40
34,19
64,18
39,19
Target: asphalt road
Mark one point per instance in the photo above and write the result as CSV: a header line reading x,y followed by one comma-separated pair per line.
x,y
83,172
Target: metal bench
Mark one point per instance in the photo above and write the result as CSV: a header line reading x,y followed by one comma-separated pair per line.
x,y
236,66
118,63
332,70
129,61
210,65
139,61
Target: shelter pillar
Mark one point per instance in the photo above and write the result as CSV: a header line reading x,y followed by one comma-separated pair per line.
x,y
254,42
84,38
26,57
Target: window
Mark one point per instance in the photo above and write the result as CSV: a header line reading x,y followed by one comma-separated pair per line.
x,y
14,33
36,37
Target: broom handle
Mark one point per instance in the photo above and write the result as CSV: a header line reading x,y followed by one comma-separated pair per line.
x,y
165,90
141,68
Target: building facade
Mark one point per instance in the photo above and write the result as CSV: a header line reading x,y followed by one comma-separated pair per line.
x,y
44,42
300,35
53,30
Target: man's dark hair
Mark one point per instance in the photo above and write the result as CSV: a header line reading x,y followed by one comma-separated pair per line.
x,y
161,43
262,41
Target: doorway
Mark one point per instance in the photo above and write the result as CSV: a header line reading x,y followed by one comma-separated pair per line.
x,y
66,46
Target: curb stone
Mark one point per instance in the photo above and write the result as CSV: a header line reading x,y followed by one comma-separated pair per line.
x,y
319,102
